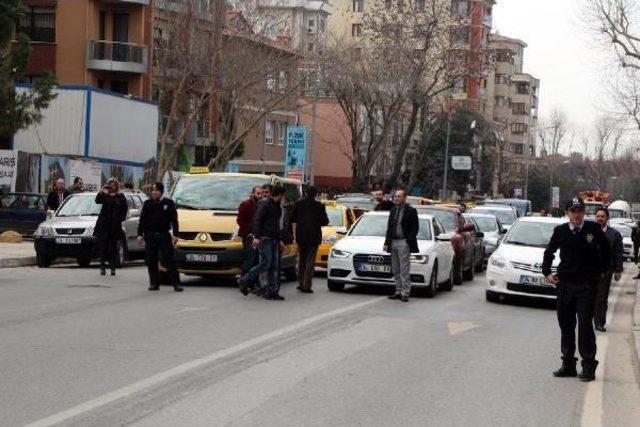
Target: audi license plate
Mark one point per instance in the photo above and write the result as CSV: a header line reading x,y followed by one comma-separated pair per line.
x,y
68,240
202,258
375,268
534,280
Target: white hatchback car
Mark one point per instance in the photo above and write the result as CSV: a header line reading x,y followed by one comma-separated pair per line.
x,y
515,268
358,258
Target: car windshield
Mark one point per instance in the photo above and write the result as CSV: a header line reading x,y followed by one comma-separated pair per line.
x,y
525,233
79,206
522,206
353,202
448,219
616,213
376,226
213,193
505,216
335,217
624,230
486,224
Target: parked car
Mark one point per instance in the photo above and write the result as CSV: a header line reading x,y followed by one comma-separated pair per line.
x,y
358,258
462,242
507,215
22,212
627,241
341,218
478,237
522,206
515,268
69,231
493,232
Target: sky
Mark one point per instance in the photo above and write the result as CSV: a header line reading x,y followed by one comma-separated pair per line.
x,y
561,52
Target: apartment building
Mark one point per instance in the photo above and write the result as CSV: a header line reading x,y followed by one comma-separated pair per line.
x,y
103,44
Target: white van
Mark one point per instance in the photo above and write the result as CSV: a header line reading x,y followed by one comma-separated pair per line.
x,y
619,209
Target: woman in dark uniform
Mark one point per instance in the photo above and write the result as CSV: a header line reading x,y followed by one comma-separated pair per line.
x,y
108,229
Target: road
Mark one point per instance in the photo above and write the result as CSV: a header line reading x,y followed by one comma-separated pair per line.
x,y
80,349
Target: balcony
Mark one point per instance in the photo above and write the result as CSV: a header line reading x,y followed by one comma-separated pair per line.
x,y
141,2
117,56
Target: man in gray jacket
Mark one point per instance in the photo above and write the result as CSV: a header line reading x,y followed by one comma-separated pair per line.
x,y
615,269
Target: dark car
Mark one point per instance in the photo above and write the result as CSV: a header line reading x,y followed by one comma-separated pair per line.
x,y
478,237
22,212
462,240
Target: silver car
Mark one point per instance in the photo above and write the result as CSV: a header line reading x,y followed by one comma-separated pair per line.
x,y
492,229
68,233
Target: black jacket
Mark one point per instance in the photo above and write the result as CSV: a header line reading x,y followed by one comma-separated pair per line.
x,y
112,213
410,228
385,205
583,257
617,250
158,216
266,220
53,202
309,216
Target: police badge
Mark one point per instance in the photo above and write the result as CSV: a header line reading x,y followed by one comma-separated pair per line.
x,y
589,238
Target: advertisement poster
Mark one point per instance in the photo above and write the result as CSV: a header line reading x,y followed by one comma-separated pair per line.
x,y
89,171
296,152
52,168
7,169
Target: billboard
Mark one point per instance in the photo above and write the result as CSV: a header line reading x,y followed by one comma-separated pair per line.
x,y
296,154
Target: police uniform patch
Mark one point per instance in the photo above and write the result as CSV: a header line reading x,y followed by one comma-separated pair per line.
x,y
589,237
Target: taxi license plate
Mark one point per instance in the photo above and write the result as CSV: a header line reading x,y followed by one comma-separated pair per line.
x,y
534,280
68,240
373,268
202,258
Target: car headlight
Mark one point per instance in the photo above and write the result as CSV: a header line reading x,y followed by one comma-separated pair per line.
x,y
43,231
337,253
499,262
330,239
419,259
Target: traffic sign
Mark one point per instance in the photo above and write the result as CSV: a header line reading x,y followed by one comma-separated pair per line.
x,y
555,197
461,163
517,192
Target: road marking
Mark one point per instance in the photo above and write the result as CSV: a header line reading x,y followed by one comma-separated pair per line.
x,y
456,328
191,365
592,408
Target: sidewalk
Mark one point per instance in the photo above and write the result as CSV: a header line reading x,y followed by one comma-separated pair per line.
x,y
636,330
17,254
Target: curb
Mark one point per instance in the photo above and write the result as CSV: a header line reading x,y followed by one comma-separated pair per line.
x,y
636,331
25,261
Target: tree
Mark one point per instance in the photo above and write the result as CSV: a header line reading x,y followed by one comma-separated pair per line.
x,y
602,150
18,109
615,22
552,131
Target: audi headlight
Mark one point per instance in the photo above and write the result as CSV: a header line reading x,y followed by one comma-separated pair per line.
x,y
499,262
43,231
419,259
330,239
337,253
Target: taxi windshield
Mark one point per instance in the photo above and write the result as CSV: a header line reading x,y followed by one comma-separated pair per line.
x,y
79,206
213,193
335,217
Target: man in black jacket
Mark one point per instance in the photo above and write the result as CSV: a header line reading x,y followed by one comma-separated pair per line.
x,y
382,204
57,196
585,255
158,216
310,216
402,241
268,238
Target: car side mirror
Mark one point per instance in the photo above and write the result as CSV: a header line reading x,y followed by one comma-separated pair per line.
x,y
50,214
469,228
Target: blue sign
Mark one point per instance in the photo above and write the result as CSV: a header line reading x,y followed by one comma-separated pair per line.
x,y
233,167
296,155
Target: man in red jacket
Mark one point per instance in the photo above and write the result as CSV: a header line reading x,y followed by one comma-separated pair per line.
x,y
246,210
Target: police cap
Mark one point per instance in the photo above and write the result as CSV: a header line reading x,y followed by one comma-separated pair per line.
x,y
575,204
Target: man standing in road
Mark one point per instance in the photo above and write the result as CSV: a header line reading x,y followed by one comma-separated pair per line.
x,y
246,211
158,216
57,196
268,238
585,255
401,241
615,269
382,204
310,216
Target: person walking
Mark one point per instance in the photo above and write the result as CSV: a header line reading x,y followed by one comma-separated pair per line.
x,y
57,196
401,241
382,204
268,238
158,216
615,269
108,229
309,216
585,255
246,211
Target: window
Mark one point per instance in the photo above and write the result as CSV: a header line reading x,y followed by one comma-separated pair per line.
x,y
120,86
520,108
283,80
358,5
459,35
39,24
311,25
503,79
517,148
503,101
281,132
268,132
460,85
356,30
519,128
522,88
311,47
459,9
504,56
271,81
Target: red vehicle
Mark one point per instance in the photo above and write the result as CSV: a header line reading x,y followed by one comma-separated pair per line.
x,y
462,237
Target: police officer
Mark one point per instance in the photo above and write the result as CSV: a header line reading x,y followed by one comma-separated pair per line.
x,y
585,255
158,215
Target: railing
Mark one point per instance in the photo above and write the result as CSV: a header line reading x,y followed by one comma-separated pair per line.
x,y
116,56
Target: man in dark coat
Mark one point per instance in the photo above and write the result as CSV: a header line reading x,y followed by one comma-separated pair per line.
x,y
246,211
310,216
108,228
402,241
585,255
615,269
57,196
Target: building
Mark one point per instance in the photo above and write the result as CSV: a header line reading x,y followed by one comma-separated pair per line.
x,y
104,44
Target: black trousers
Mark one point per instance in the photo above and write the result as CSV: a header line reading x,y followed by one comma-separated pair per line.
x,y
109,251
306,265
575,306
159,247
602,300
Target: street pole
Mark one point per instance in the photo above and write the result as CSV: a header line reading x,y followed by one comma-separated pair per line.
x,y
264,156
311,161
446,158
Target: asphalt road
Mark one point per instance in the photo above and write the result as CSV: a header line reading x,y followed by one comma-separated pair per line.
x,y
80,349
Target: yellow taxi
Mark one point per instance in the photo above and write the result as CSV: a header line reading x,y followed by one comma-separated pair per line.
x,y
340,220
207,206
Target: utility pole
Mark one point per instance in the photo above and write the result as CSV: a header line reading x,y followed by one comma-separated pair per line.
x,y
313,140
446,157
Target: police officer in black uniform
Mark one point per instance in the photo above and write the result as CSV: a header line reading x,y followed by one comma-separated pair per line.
x,y
585,255
158,216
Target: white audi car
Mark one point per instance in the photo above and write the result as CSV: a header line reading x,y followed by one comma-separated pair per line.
x,y
515,268
358,258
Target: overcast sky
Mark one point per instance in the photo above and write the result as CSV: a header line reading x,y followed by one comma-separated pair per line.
x,y
561,53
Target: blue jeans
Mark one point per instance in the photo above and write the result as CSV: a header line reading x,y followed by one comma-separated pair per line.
x,y
270,263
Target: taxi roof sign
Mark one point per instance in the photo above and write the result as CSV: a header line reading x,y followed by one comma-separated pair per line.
x,y
199,169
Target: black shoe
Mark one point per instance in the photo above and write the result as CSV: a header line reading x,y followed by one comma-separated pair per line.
x,y
260,292
154,288
178,288
587,374
244,287
566,372
113,271
601,328
299,288
395,296
405,298
275,297
306,291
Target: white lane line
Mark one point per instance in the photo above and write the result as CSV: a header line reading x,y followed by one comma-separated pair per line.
x,y
191,365
592,409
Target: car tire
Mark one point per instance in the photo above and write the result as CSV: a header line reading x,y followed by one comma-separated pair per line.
x,y
492,296
448,285
84,261
43,261
335,286
122,254
457,271
291,274
430,290
468,274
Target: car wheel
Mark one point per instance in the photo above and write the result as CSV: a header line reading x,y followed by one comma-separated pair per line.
x,y
457,271
430,291
335,286
84,261
291,274
468,274
43,261
122,254
448,285
492,296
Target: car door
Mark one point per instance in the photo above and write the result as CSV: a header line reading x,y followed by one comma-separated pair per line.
x,y
131,224
443,250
